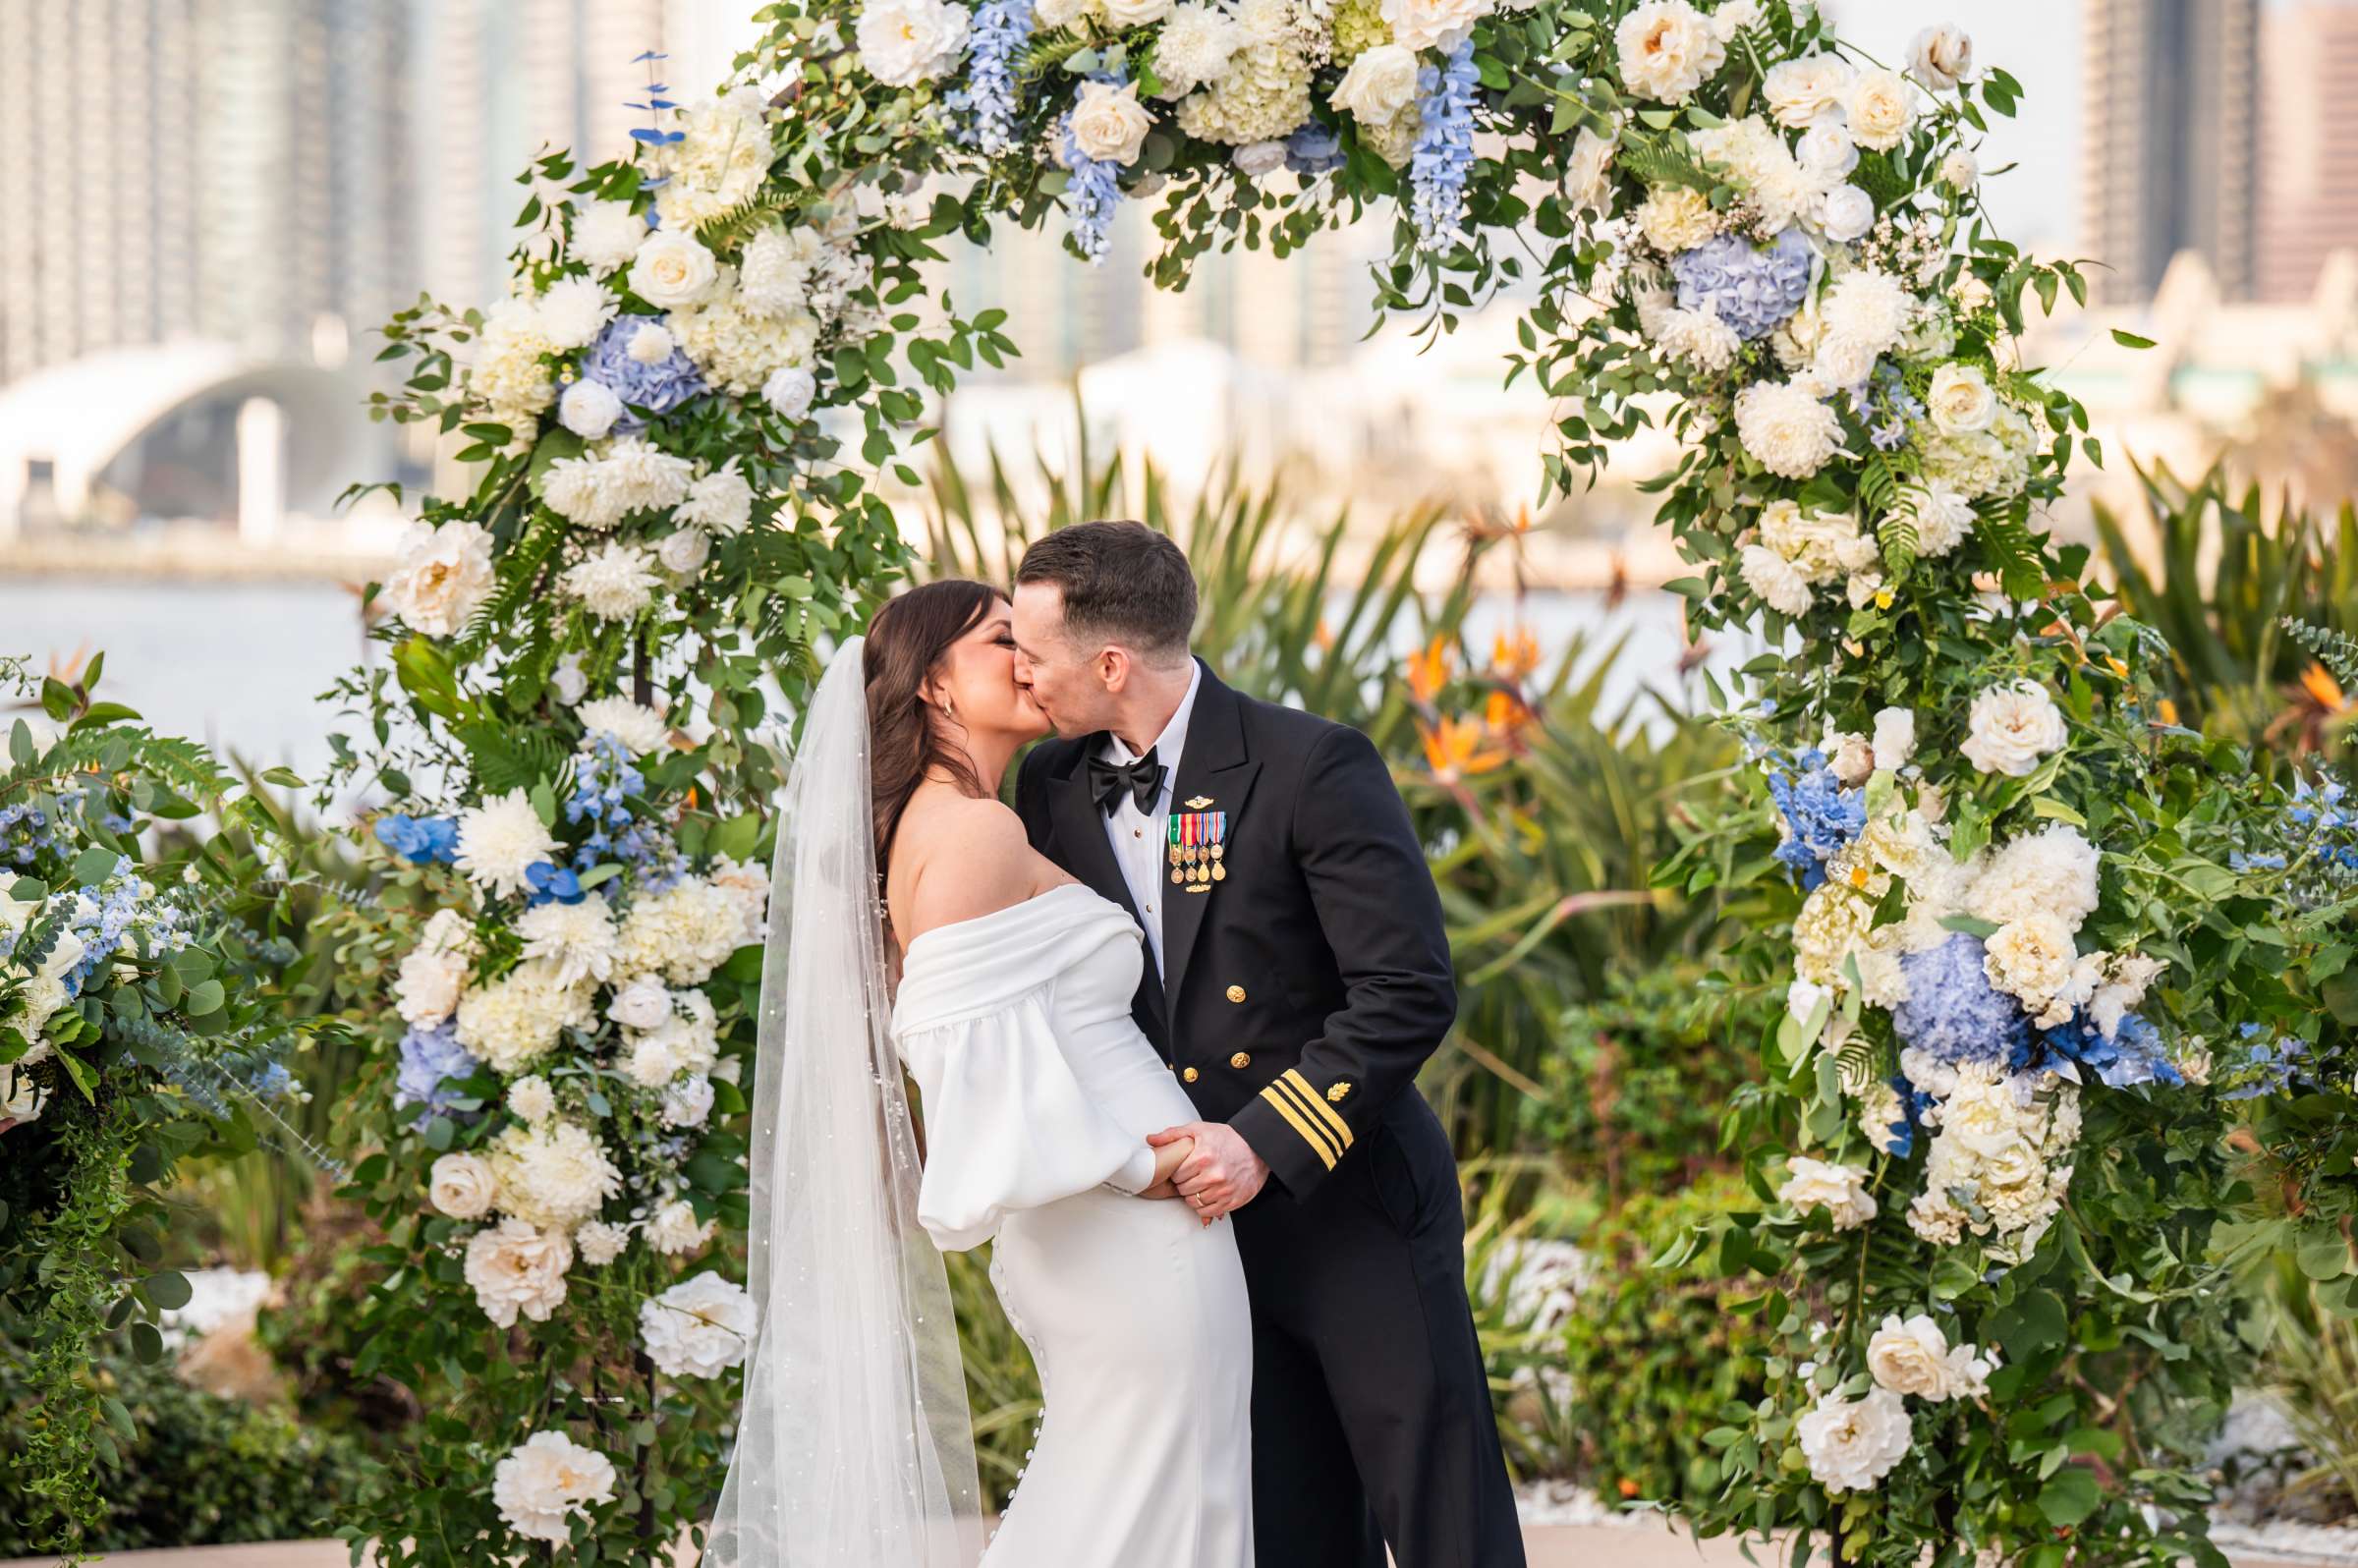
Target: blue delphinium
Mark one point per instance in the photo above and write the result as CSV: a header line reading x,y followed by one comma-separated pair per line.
x,y
605,777
1313,149
1752,288
427,1057
25,831
1883,404
2267,1066
1952,1013
1445,152
998,34
645,390
1095,189
2134,1054
1824,815
419,840
551,884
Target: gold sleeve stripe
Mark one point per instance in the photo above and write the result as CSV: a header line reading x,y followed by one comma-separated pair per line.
x,y
1292,1075
1289,1090
1325,1150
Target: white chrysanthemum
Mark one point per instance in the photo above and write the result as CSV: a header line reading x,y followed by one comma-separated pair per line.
x,y
520,1016
903,42
1865,311
599,1242
699,1327
553,1173
506,368
1666,49
774,276
2053,870
499,840
737,349
1840,1190
1941,514
1698,339
1785,430
532,1099
441,576
1194,50
614,584
641,729
1808,91
684,1041
674,1229
1265,91
462,1186
607,235
1677,217
722,501
1851,1445
578,941
1779,584
574,311
718,163
1879,109
582,490
683,932
545,1481
589,409
514,1267
689,1101
647,477
2013,725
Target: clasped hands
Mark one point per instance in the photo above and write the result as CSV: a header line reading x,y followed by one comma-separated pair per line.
x,y
1208,1165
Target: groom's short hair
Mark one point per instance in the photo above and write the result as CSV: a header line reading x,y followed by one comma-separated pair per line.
x,y
1121,583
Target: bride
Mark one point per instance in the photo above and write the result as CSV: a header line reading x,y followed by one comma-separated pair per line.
x,y
1012,1012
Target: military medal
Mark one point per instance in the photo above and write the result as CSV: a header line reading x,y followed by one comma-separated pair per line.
x,y
1197,849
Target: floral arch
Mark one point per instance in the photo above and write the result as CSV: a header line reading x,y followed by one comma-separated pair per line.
x,y
1728,219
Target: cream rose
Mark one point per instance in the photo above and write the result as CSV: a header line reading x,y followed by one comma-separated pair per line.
x,y
1668,49
2031,958
1434,24
440,578
1851,1445
1960,399
1894,737
1807,91
1109,124
2013,725
1850,756
903,42
1881,107
1135,12
673,270
517,1268
462,1186
1941,56
1381,83
1840,1190
1910,1357
546,1480
1676,218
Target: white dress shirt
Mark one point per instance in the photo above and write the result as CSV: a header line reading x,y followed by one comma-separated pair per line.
x,y
1140,839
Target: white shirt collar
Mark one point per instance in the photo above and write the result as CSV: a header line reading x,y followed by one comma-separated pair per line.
x,y
1172,741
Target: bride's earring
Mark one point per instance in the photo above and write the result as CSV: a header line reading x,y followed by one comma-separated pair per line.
x,y
949,711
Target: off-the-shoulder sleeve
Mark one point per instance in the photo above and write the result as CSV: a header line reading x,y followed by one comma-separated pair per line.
x,y
1007,1124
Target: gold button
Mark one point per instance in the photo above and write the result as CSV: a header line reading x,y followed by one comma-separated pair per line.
x,y
1190,1075
1240,1061
1236,993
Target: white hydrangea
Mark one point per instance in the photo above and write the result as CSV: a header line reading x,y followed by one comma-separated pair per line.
x,y
1787,429
1781,189
499,840
747,886
2120,985
506,364
2013,725
699,1327
1882,1120
1852,1444
719,162
2003,1146
548,1479
738,348
674,1229
578,941
431,974
1265,93
515,1268
686,1041
553,1173
574,311
2051,871
1666,49
683,932
521,1014
1942,515
614,584
1840,1190
642,730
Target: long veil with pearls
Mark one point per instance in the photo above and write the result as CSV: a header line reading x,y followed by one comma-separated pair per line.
x,y
854,1449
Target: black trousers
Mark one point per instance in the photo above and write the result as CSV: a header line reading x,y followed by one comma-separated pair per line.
x,y
1372,1417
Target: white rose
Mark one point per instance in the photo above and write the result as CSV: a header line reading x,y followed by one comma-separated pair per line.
x,y
2013,1165
1054,16
1960,399
642,1004
589,409
1960,170
546,1480
1827,150
1807,90
1852,1444
673,270
1844,214
1585,180
607,234
1666,50
515,1266
1894,737
1379,83
1127,13
1849,756
1780,584
2013,725
1880,109
903,42
2031,958
684,551
1941,56
1434,24
687,1103
675,1229
1910,1357
699,1327
440,578
789,390
1257,158
1840,1190
463,1187
569,682
1109,124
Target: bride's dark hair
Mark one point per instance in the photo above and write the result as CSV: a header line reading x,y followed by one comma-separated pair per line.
x,y
906,641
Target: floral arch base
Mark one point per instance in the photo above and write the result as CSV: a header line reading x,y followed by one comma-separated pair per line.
x,y
1985,1139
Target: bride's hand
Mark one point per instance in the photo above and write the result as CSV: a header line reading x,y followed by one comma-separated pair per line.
x,y
1168,1160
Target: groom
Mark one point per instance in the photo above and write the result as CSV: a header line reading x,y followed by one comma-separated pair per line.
x,y
1297,979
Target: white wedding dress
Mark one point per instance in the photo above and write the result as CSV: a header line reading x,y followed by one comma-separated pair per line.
x,y
1038,1093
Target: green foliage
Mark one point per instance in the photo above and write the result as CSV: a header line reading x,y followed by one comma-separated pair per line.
x,y
2310,1372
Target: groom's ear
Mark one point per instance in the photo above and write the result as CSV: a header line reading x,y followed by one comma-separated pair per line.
x,y
1113,665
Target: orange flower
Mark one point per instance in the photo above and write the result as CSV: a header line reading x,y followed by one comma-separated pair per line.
x,y
1505,714
2323,689
1326,635
1429,671
2168,711
1452,749
1515,653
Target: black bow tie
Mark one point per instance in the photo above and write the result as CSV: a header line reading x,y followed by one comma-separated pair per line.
x,y
1142,779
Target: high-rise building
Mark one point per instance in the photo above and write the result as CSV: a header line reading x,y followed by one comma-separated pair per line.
x,y
2308,142
2169,158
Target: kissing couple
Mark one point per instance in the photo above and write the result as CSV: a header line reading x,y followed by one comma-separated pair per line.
x,y
1165,1018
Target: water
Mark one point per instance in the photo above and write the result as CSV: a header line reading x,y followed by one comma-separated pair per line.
x,y
240,665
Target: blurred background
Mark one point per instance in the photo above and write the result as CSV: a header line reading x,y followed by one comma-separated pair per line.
x,y
221,200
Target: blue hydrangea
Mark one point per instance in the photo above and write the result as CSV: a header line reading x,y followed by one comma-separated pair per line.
x,y
26,830
428,1056
1314,150
1952,1013
419,840
2133,1056
1822,815
1750,288
1444,150
647,391
994,54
